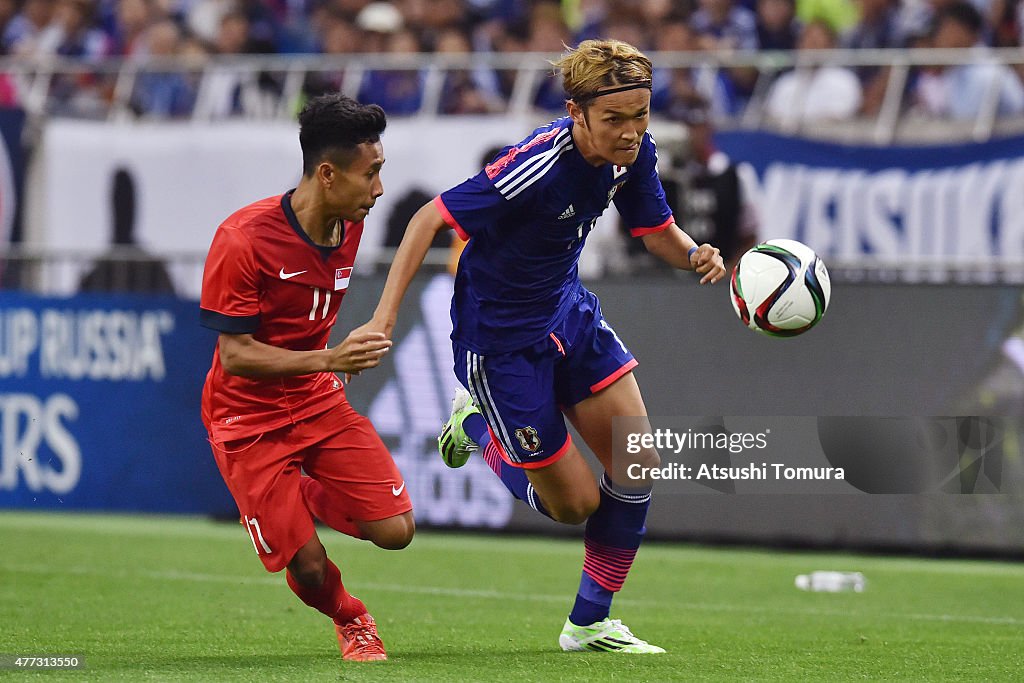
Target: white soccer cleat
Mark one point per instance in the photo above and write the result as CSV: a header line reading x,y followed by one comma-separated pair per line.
x,y
461,399
607,635
453,443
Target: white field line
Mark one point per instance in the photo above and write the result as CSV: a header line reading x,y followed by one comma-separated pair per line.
x,y
467,593
200,528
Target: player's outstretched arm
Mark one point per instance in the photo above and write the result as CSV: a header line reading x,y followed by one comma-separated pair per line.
x,y
242,355
423,227
673,246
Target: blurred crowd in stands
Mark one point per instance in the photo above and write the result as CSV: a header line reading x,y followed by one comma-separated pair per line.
x,y
141,29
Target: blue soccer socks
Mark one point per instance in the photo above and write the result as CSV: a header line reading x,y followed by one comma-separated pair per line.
x,y
611,539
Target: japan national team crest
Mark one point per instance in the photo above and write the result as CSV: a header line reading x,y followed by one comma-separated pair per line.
x,y
341,278
611,194
528,439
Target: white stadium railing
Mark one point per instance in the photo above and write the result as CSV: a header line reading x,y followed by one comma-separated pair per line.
x,y
111,84
35,78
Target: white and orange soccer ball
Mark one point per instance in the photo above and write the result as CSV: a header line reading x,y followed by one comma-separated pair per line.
x,y
780,288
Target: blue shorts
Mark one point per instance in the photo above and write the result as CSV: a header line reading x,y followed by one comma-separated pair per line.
x,y
520,393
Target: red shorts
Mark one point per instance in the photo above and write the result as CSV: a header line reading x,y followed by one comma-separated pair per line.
x,y
339,448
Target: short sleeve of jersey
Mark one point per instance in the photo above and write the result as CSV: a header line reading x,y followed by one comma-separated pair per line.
x,y
230,298
641,200
508,182
472,205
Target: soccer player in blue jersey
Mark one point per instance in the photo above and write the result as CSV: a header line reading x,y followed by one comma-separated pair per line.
x,y
530,342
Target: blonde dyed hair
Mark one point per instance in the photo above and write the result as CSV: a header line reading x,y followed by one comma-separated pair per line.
x,y
596,64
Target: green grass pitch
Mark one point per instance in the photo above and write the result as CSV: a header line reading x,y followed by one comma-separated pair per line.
x,y
184,599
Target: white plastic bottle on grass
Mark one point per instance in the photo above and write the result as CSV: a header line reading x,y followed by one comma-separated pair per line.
x,y
831,582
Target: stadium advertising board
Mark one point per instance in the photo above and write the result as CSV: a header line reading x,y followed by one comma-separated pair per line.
x,y
188,178
409,409
920,407
99,405
184,181
99,410
894,204
912,368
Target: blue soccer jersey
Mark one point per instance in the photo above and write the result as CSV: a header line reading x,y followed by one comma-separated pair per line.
x,y
527,216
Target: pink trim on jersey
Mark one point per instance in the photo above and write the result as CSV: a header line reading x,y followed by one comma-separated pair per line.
x,y
561,349
550,460
640,232
500,164
449,219
497,444
610,379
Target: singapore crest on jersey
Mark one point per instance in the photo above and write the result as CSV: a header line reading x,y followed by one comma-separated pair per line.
x,y
341,278
528,439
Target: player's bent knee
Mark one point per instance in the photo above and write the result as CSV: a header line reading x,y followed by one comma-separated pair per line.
x,y
309,564
393,540
393,533
572,515
649,458
628,472
574,511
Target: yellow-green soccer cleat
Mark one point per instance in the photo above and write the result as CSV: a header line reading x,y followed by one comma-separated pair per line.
x,y
607,635
454,444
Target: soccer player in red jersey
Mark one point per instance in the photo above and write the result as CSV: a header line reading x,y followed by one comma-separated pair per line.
x,y
274,279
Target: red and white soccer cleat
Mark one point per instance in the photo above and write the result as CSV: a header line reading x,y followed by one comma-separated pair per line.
x,y
359,641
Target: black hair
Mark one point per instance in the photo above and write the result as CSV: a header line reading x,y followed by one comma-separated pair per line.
x,y
331,126
963,13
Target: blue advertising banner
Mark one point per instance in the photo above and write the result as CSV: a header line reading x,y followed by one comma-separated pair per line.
x,y
99,405
892,203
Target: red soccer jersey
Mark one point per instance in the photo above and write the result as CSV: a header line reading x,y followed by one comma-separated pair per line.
x,y
265,277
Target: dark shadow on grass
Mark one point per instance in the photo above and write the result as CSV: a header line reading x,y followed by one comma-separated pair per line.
x,y
469,653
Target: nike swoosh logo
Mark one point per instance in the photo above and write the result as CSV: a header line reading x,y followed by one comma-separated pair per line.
x,y
286,276
399,490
